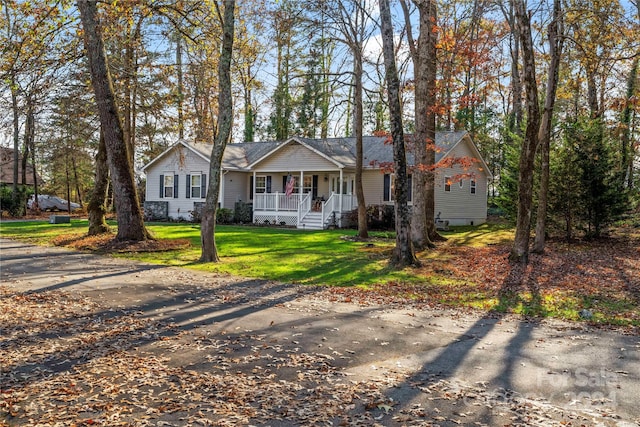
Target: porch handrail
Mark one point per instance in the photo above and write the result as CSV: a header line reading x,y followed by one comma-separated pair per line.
x,y
275,202
305,207
329,207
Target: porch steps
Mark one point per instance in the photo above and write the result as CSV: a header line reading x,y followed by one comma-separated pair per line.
x,y
311,221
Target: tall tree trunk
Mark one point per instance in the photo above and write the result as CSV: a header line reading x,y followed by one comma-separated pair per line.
x,y
515,118
130,65
358,123
34,172
97,208
592,92
326,90
127,128
556,35
249,116
520,250
225,121
29,136
16,136
423,228
403,253
67,179
180,88
431,68
627,146
76,181
130,216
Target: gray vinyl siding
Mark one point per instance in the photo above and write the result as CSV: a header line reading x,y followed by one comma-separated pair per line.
x,y
236,188
459,206
292,158
372,185
181,162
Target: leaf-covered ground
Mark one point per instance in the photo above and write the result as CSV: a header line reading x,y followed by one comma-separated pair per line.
x,y
596,281
68,361
106,243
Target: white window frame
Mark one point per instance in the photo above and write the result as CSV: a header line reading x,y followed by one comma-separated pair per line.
x,y
260,189
168,185
473,186
193,187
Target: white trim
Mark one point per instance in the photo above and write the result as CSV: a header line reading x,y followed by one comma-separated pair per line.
x,y
191,186
447,179
165,176
485,167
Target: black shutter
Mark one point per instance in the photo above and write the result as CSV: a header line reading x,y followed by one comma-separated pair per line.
x,y
175,186
269,184
251,188
314,188
410,184
284,183
203,181
188,194
386,187
161,186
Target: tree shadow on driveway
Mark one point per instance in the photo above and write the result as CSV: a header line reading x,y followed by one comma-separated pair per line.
x,y
472,378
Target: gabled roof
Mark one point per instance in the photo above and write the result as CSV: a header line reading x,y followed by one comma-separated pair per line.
x,y
201,150
331,152
340,151
448,147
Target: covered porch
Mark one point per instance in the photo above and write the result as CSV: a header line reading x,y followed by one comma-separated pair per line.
x,y
315,200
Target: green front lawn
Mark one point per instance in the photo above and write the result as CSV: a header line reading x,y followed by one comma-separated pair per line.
x,y
284,254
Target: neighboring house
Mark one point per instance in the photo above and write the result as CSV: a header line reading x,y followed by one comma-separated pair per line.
x,y
6,169
323,171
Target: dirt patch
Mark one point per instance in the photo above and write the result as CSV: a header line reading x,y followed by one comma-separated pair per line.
x,y
106,243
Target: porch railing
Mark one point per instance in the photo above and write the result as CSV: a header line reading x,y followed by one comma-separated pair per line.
x,y
275,202
329,207
305,207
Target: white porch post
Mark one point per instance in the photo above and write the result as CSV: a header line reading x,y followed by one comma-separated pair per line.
x,y
253,197
340,201
300,187
221,192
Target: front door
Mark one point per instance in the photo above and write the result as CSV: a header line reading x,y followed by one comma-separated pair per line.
x,y
348,184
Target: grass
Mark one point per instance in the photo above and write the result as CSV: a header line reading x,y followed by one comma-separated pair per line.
x,y
289,255
309,257
468,271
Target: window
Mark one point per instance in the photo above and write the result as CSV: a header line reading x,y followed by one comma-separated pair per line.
x,y
447,183
390,184
472,186
169,185
263,184
196,185
307,186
